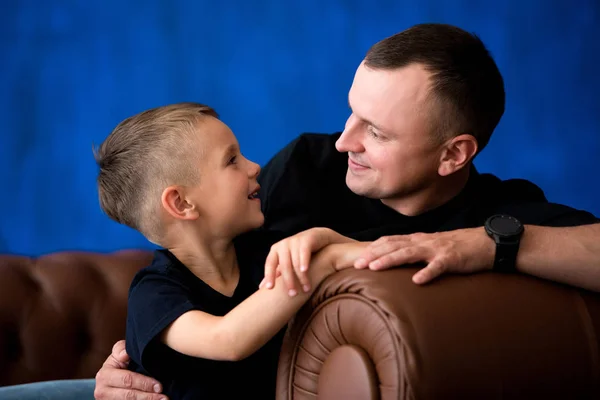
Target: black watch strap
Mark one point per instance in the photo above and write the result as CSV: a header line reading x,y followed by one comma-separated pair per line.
x,y
506,232
506,255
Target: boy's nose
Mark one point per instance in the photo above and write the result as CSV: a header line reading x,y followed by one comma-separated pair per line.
x,y
254,169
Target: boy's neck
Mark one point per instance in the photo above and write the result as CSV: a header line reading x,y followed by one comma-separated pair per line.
x,y
214,262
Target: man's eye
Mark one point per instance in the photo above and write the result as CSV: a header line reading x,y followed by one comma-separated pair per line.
x,y
232,160
372,132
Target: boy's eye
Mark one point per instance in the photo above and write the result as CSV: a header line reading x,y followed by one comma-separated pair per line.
x,y
232,160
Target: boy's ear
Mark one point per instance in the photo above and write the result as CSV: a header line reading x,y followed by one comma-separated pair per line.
x,y
457,153
174,202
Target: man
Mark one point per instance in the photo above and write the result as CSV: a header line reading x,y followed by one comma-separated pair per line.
x,y
424,103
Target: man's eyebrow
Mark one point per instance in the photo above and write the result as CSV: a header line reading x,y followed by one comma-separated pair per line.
x,y
373,124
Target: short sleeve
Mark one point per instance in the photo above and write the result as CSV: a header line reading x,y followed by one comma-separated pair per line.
x,y
155,302
549,214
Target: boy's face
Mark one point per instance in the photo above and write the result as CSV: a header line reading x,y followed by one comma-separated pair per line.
x,y
226,195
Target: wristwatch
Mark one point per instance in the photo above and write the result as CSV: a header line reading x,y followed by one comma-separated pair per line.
x,y
506,232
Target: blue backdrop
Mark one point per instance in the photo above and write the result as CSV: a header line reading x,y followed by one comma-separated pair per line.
x,y
71,70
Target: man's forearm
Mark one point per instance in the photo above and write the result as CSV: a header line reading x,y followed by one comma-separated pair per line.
x,y
568,255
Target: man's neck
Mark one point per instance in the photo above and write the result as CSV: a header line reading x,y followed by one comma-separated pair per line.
x,y
432,197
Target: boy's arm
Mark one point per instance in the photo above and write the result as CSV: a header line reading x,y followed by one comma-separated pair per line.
x,y
114,381
253,322
290,257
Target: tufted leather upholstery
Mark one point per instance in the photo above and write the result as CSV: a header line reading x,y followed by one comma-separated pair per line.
x,y
377,335
61,313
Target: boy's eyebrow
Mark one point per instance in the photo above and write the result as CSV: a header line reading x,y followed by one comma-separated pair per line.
x,y
232,148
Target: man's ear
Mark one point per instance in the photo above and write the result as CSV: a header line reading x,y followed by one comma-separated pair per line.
x,y
457,153
174,202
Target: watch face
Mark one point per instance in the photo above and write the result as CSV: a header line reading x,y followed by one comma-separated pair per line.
x,y
506,225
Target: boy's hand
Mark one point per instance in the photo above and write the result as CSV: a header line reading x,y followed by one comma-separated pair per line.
x,y
290,257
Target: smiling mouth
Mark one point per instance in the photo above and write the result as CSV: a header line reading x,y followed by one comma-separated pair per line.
x,y
253,196
354,164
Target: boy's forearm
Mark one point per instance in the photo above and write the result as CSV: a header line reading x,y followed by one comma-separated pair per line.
x,y
344,255
258,318
336,238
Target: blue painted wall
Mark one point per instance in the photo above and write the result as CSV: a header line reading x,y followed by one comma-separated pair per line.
x,y
71,70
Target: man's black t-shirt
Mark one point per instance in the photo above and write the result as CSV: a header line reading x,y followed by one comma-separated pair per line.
x,y
304,186
165,290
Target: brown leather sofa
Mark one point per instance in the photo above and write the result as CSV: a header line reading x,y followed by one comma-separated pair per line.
x,y
363,335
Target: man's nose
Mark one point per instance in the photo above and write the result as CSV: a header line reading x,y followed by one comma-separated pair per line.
x,y
349,141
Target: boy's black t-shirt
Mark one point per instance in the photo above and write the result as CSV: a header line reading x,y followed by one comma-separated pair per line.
x,y
304,186
165,290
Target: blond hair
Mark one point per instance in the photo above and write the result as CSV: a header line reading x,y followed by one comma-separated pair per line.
x,y
143,155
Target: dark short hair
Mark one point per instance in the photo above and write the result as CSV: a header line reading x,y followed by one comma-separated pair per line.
x,y
144,154
467,88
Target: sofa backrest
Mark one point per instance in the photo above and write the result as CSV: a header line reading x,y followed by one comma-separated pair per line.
x,y
61,313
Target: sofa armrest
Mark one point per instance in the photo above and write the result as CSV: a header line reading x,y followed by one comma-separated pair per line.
x,y
61,313
368,334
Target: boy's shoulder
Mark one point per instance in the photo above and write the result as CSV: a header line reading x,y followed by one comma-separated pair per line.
x,y
164,267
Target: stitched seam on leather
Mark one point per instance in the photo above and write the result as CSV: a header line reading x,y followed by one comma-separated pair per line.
x,y
316,310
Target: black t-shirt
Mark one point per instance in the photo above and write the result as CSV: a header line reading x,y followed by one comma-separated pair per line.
x,y
304,186
165,290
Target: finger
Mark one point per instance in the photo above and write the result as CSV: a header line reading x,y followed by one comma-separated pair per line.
x,y
402,256
270,267
287,273
123,380
303,263
376,251
119,353
429,273
294,250
390,239
126,394
118,358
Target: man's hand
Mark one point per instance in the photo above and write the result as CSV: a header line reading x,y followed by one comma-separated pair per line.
x,y
114,381
460,251
290,257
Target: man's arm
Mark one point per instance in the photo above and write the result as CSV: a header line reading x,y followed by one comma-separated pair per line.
x,y
115,381
569,255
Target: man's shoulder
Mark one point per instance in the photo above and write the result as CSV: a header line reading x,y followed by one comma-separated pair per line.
x,y
509,190
526,201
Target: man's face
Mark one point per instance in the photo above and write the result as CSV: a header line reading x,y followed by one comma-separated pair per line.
x,y
391,152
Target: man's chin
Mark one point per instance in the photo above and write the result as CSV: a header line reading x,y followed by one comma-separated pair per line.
x,y
360,187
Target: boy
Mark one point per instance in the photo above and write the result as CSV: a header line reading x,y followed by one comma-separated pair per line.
x,y
196,319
